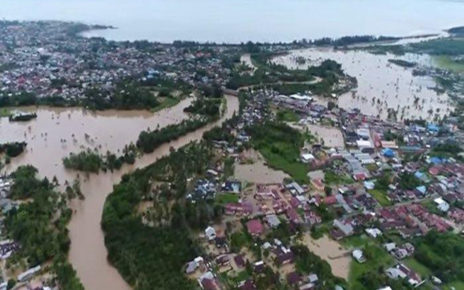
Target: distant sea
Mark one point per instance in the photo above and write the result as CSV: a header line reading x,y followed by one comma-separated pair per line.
x,y
235,21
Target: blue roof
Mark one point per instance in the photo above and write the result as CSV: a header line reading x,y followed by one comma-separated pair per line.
x,y
387,152
422,189
436,160
433,127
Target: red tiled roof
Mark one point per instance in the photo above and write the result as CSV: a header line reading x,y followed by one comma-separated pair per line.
x,y
255,227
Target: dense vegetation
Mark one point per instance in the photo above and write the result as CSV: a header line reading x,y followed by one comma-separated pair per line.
x,y
152,257
40,226
280,145
90,161
127,95
148,141
443,254
207,109
408,181
12,149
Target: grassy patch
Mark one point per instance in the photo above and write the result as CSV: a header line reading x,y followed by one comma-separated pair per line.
x,y
280,145
295,169
4,112
380,196
287,115
223,198
166,103
331,177
431,206
448,63
376,258
423,271
457,285
372,167
354,241
241,276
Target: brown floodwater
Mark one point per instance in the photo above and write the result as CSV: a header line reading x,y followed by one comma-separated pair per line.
x,y
381,84
112,130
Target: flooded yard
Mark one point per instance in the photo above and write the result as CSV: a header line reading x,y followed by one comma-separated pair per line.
x,y
256,171
331,136
382,85
331,251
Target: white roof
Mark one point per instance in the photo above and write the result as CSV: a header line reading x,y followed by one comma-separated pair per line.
x,y
307,156
364,144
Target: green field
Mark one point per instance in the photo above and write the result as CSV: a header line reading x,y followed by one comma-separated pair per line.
x,y
280,145
287,115
4,112
458,285
376,257
223,198
446,62
166,103
415,265
380,196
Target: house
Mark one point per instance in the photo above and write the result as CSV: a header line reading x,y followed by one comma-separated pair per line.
x,y
441,204
258,267
293,278
283,255
373,232
255,227
247,285
389,246
403,272
311,218
239,261
358,255
210,233
28,274
295,187
207,281
312,278
317,183
192,266
232,186
389,153
344,227
307,157
272,220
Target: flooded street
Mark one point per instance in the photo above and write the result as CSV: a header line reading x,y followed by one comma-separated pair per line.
x,y
88,254
382,85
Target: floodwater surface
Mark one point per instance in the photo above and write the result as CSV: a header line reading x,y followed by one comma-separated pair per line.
x,y
382,85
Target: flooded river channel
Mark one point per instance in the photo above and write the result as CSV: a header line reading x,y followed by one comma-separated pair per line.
x,y
108,130
382,85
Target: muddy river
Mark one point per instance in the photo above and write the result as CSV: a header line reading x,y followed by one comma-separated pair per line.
x,y
109,130
382,85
